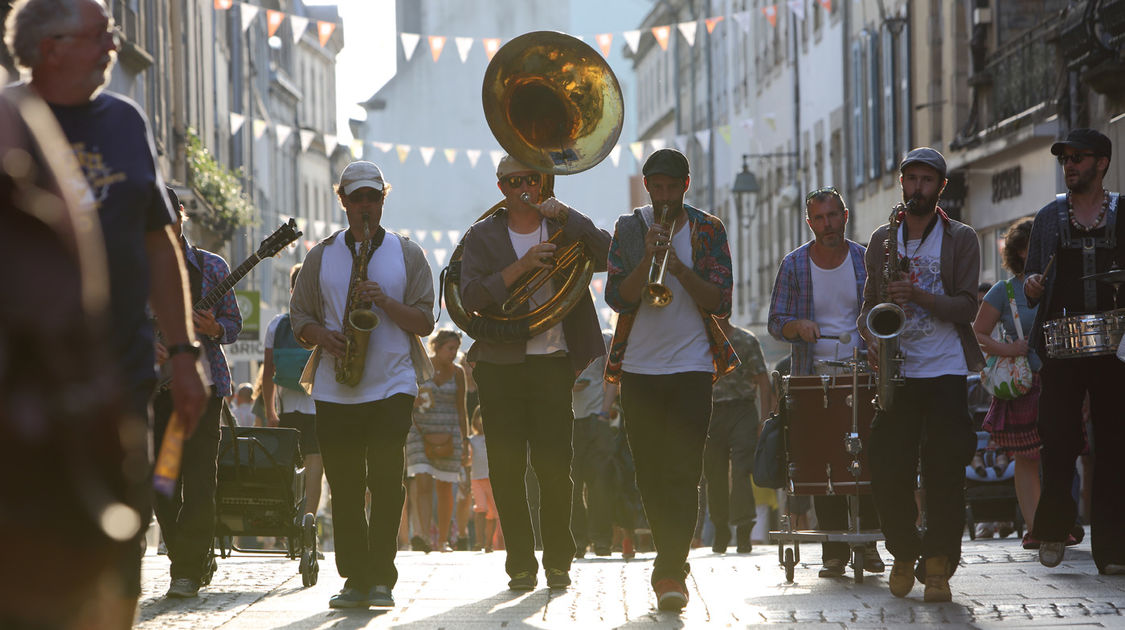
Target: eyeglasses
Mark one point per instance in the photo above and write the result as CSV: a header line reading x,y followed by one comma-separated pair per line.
x,y
99,34
1074,158
821,192
366,195
515,181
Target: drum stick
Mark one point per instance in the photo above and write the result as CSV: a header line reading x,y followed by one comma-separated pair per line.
x,y
1047,269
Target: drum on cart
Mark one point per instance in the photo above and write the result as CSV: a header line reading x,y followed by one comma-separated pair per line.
x,y
824,451
1091,335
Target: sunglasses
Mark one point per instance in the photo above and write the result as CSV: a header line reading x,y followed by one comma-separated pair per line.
x,y
515,181
1074,159
366,195
821,192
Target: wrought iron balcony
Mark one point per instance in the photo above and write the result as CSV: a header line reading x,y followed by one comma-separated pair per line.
x,y
1022,74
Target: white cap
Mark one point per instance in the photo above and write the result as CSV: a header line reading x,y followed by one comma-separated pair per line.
x,y
361,175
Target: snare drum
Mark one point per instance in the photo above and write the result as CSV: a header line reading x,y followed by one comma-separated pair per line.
x,y
1090,335
818,411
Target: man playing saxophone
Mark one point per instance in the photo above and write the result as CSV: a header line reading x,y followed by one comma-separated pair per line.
x,y
937,290
363,298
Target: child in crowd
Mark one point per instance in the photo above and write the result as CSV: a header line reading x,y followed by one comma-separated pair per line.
x,y
484,505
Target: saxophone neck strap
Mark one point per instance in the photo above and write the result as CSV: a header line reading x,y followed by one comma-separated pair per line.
x,y
377,240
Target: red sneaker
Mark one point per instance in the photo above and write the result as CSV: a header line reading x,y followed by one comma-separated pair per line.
x,y
670,595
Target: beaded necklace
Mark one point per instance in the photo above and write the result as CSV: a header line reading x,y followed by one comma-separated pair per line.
x,y
1097,221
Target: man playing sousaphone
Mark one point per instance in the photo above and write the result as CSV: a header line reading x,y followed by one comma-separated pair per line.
x,y
525,385
1079,234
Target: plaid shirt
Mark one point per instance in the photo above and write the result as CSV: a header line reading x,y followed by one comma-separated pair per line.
x,y
710,259
214,271
792,299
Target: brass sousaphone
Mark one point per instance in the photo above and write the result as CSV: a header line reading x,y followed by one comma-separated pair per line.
x,y
553,104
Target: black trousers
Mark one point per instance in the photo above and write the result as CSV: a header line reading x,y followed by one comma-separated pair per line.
x,y
528,406
931,416
728,462
591,515
666,419
832,513
1065,383
362,448
187,518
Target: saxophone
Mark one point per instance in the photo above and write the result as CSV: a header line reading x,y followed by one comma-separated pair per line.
x,y
359,320
886,321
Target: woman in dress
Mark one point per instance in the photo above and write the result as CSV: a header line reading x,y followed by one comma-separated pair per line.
x,y
438,412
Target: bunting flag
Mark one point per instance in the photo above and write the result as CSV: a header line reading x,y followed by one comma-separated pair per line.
x,y
437,43
236,121
747,124
403,151
615,154
473,155
307,136
319,227
223,5
633,39
324,30
454,236
771,120
273,21
450,155
427,154
680,142
298,24
283,133
743,19
703,137
309,244
356,147
687,29
724,131
464,45
439,256
770,11
798,8
496,157
384,146
657,144
436,235
605,43
409,43
827,4
249,12
598,284
330,143
662,35
637,148
491,45
420,236
404,232
712,22
607,315
259,127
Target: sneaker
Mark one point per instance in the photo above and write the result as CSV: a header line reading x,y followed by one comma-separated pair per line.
x,y
580,552
937,580
418,543
670,595
162,549
557,579
984,530
1071,540
1005,530
380,596
1051,553
1030,542
742,536
602,550
462,544
902,578
183,588
722,539
833,567
1114,569
350,597
1078,533
872,561
523,581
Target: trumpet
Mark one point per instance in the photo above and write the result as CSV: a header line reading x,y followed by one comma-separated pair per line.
x,y
656,294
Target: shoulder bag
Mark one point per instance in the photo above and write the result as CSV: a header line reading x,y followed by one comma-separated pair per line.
x,y
1008,378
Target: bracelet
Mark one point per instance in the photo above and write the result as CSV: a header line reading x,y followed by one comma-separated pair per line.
x,y
192,348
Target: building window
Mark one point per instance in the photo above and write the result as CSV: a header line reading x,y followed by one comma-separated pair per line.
x,y
857,113
872,102
891,113
905,131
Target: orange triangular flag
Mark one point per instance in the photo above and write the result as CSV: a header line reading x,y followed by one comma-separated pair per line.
x,y
437,43
827,4
491,45
325,30
223,5
711,22
771,14
273,21
662,33
605,41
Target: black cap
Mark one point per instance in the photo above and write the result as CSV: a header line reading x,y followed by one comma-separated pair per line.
x,y
666,162
924,155
174,198
1085,140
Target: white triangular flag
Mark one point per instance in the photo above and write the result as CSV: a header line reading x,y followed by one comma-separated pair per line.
x,y
299,25
453,236
703,137
384,146
743,19
330,142
283,133
440,254
236,121
607,315
450,155
307,136
687,29
637,149
615,154
657,143
405,232
259,127
318,227
681,142
409,43
420,236
473,155
427,154
249,12
436,235
798,8
464,45
356,147
633,38
496,157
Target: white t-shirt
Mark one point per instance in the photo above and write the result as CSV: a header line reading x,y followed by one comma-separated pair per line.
x,y
671,339
388,369
931,347
553,339
288,400
835,308
243,414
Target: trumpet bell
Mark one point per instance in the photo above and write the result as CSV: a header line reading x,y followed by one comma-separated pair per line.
x,y
657,295
552,102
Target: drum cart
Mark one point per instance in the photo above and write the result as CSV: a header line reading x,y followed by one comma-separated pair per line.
x,y
815,466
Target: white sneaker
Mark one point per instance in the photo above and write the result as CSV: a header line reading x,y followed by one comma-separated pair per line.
x,y
1051,553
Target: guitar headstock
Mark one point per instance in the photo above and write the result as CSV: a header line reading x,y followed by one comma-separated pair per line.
x,y
277,241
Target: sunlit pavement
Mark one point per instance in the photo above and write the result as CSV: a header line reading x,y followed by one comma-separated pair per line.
x,y
998,585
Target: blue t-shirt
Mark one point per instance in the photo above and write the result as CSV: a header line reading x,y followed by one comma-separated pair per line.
x,y
112,142
997,296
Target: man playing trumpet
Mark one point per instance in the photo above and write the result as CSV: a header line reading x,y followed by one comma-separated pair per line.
x,y
525,386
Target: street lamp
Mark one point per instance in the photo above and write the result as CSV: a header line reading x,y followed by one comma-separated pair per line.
x,y
744,183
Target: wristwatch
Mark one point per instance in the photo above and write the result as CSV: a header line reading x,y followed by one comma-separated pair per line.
x,y
193,348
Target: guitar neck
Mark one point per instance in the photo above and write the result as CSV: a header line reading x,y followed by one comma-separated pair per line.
x,y
214,295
